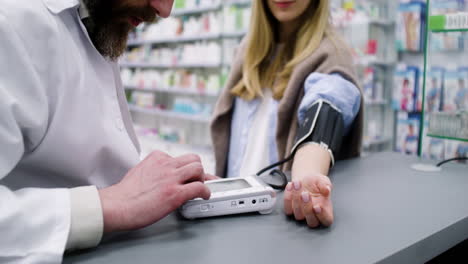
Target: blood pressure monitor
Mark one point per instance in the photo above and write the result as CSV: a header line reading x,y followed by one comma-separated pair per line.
x,y
232,196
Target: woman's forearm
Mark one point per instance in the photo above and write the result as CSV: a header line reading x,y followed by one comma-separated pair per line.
x,y
310,158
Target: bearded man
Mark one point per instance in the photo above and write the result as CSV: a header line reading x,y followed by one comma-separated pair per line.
x,y
69,158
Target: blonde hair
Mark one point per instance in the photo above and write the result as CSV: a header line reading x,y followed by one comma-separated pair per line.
x,y
260,69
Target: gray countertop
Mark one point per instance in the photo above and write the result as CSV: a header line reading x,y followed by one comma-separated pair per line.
x,y
384,212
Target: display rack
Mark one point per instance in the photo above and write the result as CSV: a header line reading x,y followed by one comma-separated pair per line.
x,y
369,28
444,133
157,88
168,76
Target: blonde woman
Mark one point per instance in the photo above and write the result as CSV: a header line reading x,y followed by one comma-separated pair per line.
x,y
290,60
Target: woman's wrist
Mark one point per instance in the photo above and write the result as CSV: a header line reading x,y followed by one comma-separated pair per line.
x,y
310,160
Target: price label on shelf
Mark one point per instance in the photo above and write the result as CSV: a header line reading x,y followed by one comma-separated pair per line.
x,y
456,21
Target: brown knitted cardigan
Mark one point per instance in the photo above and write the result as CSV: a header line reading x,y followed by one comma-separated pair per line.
x,y
326,59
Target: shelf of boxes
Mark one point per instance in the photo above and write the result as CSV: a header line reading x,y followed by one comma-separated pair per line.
x,y
181,39
170,114
225,8
151,140
195,10
373,142
369,29
147,65
446,27
178,43
374,102
174,90
456,22
238,2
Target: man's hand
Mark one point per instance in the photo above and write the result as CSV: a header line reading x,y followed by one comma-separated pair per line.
x,y
309,198
153,189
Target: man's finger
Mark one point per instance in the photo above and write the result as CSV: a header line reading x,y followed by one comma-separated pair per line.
x,y
210,177
185,160
190,173
195,190
158,156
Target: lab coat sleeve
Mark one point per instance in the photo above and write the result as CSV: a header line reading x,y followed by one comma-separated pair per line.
x,y
34,223
87,223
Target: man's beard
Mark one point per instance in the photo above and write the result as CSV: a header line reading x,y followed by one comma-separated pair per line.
x,y
108,25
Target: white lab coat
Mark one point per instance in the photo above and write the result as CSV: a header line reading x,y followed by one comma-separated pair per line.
x,y
64,123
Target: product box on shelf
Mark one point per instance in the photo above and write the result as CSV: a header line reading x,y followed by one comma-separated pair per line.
x,y
456,149
411,22
368,83
434,88
143,99
407,136
193,4
406,88
455,91
461,97
432,148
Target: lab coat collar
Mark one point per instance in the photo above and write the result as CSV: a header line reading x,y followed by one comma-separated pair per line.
x,y
57,6
84,13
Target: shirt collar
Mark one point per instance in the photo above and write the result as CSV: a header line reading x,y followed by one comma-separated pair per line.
x,y
57,6
83,10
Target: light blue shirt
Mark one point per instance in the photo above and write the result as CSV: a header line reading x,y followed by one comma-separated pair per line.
x,y
344,95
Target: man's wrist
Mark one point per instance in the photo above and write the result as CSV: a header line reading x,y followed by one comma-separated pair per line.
x,y
110,210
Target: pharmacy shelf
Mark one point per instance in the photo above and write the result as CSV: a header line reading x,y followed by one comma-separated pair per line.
x,y
374,142
238,34
450,138
195,11
239,2
449,23
169,114
374,21
147,65
375,102
184,39
367,61
202,37
149,143
382,22
173,90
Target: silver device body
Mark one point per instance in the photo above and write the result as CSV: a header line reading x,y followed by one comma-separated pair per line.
x,y
232,196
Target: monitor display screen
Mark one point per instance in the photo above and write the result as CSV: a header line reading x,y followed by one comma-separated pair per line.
x,y
228,185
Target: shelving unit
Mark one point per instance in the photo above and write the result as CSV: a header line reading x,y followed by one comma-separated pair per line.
x,y
380,119
170,114
180,39
195,11
446,125
369,28
147,65
170,89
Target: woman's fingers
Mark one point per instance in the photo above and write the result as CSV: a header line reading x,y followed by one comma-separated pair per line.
x,y
288,209
313,207
296,201
308,210
325,188
323,210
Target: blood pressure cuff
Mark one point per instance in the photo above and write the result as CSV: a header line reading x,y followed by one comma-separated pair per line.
x,y
323,124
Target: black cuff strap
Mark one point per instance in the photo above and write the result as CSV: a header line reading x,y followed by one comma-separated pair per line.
x,y
323,124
